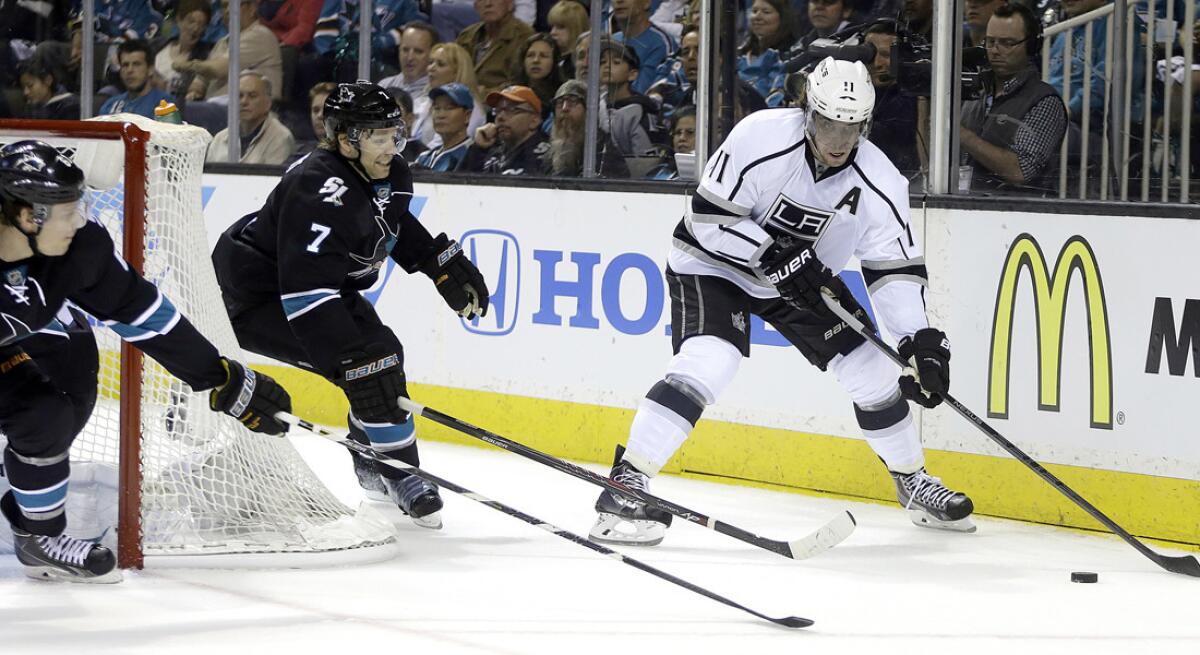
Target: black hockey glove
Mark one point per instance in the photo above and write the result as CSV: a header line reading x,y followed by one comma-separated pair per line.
x,y
797,273
929,353
252,398
20,376
456,278
372,383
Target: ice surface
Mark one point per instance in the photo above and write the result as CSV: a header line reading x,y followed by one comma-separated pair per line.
x,y
488,583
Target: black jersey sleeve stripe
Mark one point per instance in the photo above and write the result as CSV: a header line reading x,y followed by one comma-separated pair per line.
x,y
739,235
742,175
727,206
877,278
705,211
896,214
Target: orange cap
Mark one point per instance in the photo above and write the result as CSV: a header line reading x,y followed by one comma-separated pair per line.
x,y
165,108
516,93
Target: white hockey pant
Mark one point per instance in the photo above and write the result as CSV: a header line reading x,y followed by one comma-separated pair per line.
x,y
703,369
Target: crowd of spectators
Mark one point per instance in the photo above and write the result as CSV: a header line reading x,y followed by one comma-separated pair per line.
x,y
497,86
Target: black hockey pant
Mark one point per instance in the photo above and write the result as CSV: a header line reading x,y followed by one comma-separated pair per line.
x,y
263,328
40,420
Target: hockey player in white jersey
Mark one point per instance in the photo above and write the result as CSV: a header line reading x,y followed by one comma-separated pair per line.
x,y
782,206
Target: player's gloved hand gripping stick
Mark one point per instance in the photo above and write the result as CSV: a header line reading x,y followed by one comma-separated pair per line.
x,y
1185,564
251,397
372,379
927,376
456,278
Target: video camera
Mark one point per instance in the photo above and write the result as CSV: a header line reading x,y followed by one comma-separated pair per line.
x,y
912,66
911,61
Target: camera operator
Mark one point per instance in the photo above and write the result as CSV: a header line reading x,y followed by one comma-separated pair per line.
x,y
1010,137
894,121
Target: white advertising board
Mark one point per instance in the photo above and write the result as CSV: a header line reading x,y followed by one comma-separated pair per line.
x,y
1111,295
579,307
580,314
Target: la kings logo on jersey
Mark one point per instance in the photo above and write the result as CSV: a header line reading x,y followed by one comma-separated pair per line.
x,y
788,217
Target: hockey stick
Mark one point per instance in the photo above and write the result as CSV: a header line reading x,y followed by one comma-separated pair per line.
x,y
371,453
1185,564
821,540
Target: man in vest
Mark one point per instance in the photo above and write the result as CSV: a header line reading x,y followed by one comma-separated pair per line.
x,y
1010,137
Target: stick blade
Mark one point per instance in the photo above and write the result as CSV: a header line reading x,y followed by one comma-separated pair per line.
x,y
823,538
793,622
1185,564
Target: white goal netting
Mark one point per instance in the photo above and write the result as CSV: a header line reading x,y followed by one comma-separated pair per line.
x,y
209,486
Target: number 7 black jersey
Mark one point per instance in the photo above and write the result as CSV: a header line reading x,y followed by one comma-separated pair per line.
x,y
763,183
325,230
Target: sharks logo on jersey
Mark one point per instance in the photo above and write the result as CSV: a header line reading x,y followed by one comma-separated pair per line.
x,y
387,239
790,218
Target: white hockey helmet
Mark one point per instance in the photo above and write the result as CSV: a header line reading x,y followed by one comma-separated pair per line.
x,y
840,101
841,91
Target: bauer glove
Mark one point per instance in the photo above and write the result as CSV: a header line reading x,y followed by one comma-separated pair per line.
x,y
928,377
797,273
252,398
456,278
373,380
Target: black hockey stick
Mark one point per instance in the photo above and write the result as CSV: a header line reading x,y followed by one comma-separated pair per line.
x,y
820,540
367,451
1185,564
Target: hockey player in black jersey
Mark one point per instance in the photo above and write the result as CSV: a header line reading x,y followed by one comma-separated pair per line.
x,y
782,206
56,265
292,272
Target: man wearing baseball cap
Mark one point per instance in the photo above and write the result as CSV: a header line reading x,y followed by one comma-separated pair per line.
x,y
514,144
450,111
565,156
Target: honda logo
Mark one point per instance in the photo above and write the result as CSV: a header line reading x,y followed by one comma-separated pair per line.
x,y
498,257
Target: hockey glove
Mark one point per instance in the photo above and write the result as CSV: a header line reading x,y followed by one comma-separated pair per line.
x,y
929,376
252,398
456,278
797,273
372,383
17,369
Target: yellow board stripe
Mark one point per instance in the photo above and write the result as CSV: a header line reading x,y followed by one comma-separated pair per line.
x,y
1165,509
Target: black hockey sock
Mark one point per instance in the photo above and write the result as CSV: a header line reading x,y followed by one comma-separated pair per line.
x,y
37,501
407,454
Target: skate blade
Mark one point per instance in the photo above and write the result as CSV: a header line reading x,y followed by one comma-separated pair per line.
x,y
924,520
613,529
53,574
429,521
377,496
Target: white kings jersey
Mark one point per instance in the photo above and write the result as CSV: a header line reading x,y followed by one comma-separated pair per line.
x,y
762,183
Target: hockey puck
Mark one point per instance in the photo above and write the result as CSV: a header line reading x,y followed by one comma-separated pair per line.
x,y
1084,576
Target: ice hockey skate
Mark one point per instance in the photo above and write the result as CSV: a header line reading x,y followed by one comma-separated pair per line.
x,y
369,479
931,504
626,521
65,558
418,499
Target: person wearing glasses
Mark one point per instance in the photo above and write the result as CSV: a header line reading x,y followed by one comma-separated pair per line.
x,y
565,156
1010,138
514,144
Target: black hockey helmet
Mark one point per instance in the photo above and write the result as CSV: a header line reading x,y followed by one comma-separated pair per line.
x,y
36,173
361,105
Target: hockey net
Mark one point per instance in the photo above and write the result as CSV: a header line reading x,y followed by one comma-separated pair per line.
x,y
190,481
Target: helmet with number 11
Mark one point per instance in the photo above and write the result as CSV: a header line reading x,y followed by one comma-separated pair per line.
x,y
840,101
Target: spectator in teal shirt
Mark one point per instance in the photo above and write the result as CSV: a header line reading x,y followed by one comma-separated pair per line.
x,y
139,96
1136,74
451,113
